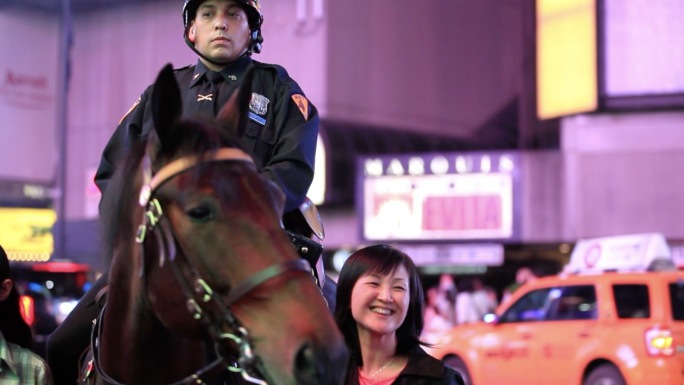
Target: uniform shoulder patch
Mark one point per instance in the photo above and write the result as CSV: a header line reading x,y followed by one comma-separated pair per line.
x,y
303,105
130,109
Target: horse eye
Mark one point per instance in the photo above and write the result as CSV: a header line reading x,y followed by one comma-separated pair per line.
x,y
201,213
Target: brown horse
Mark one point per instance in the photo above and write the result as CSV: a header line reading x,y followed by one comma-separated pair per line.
x,y
203,279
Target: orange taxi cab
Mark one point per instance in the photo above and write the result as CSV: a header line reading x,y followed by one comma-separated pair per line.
x,y
613,317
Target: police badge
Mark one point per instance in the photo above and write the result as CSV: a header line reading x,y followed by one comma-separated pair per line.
x,y
259,104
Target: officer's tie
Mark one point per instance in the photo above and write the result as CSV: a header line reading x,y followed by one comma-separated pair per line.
x,y
208,94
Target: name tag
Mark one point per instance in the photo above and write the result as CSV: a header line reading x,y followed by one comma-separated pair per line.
x,y
257,118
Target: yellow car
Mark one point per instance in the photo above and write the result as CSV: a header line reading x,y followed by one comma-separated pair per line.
x,y
598,323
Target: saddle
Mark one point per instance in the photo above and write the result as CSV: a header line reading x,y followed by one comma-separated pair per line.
x,y
86,363
301,226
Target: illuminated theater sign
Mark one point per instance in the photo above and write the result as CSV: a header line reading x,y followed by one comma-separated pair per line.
x,y
457,196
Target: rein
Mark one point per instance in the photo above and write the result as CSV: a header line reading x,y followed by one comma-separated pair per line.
x,y
204,306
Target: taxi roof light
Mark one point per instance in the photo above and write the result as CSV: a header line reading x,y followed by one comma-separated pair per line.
x,y
635,252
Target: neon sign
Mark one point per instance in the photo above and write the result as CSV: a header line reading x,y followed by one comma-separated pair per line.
x,y
438,196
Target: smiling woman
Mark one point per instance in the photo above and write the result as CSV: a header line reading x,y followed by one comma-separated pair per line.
x,y
379,311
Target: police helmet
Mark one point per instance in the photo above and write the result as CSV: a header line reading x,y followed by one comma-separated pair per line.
x,y
254,17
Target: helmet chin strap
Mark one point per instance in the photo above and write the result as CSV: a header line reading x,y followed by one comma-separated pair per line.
x,y
213,61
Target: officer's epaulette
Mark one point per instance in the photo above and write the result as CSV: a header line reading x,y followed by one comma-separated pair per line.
x,y
282,75
282,72
183,68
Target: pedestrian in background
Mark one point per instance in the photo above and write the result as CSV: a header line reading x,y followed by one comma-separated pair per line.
x,y
473,301
18,364
380,313
522,276
446,298
435,320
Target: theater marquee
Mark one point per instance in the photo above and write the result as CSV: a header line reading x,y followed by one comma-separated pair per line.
x,y
459,196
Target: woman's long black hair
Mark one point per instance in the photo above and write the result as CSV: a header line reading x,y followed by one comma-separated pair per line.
x,y
12,324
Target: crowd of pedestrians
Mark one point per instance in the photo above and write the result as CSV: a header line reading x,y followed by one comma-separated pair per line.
x,y
466,300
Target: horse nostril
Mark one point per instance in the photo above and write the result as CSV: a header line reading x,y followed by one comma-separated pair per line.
x,y
305,368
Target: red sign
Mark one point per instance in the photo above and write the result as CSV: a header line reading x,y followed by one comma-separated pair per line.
x,y
475,212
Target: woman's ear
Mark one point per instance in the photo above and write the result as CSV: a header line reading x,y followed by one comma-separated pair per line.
x,y
5,289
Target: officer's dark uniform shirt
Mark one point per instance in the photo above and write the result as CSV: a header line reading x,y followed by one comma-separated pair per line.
x,y
281,133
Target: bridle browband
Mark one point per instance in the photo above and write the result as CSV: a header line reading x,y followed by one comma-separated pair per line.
x,y
183,164
202,303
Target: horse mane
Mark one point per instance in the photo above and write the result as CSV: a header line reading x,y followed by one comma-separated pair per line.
x,y
120,197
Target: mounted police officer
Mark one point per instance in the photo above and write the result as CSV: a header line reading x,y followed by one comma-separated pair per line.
x,y
283,125
281,135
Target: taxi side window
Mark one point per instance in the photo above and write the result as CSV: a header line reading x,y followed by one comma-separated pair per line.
x,y
554,303
531,307
677,300
573,303
631,301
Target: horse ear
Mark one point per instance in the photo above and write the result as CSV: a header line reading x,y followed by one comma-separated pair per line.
x,y
234,113
166,103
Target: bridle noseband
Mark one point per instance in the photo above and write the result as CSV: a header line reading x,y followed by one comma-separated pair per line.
x,y
202,303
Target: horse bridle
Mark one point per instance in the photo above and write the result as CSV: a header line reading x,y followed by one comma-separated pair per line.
x,y
201,300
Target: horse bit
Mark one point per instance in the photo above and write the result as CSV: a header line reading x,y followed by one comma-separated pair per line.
x,y
200,296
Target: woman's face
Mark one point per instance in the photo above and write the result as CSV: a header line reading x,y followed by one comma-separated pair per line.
x,y
220,30
379,303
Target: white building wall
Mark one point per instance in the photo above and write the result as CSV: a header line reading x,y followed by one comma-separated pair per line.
x,y
29,96
623,174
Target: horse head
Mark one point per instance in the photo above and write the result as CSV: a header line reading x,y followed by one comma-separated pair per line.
x,y
210,263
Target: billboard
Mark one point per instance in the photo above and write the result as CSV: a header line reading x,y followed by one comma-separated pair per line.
x,y
29,96
608,55
566,57
26,233
438,197
641,60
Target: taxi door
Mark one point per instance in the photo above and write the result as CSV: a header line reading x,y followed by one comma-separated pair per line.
x,y
568,329
513,352
508,360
